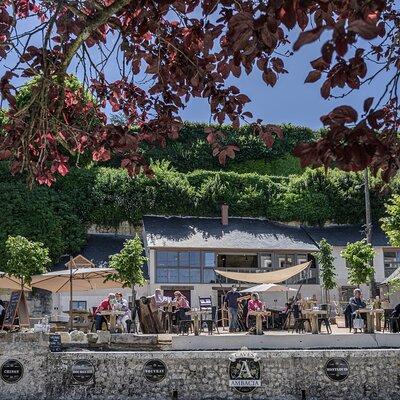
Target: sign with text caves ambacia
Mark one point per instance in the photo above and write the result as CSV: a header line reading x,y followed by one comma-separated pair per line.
x,y
244,371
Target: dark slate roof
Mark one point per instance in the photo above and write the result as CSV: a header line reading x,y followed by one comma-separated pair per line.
x,y
340,235
99,247
209,233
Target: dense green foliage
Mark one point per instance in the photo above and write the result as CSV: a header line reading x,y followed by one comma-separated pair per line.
x,y
107,196
40,214
359,256
129,263
191,150
326,265
25,258
391,222
59,216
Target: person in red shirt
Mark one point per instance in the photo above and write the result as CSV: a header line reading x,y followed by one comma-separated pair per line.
x,y
105,305
254,304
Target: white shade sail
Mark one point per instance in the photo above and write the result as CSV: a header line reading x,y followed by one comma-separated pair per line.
x,y
277,276
269,287
11,282
83,279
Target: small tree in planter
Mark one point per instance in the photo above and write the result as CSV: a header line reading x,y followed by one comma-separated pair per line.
x,y
359,257
128,264
327,269
25,258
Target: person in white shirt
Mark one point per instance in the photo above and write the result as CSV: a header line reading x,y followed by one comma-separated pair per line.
x,y
123,305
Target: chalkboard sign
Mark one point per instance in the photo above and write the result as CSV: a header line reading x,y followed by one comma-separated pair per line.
x,y
337,369
55,343
12,371
17,308
11,310
155,371
82,372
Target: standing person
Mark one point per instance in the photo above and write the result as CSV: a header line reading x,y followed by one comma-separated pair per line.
x,y
231,303
122,305
105,305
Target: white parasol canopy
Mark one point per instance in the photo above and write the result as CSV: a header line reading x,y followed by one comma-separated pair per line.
x,y
83,279
269,287
277,276
11,282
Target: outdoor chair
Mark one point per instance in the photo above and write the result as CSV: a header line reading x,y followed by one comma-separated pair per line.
x,y
386,320
185,325
324,319
299,320
211,320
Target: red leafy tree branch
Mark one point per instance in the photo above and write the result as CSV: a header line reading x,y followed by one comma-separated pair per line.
x,y
167,52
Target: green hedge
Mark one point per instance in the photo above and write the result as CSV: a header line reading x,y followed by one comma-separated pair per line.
x,y
105,196
191,150
42,215
313,198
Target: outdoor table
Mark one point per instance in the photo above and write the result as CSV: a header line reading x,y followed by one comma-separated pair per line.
x,y
168,313
113,314
313,315
370,314
196,320
259,316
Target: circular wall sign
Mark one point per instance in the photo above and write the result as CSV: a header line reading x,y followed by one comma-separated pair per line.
x,y
83,371
12,371
337,369
155,370
245,374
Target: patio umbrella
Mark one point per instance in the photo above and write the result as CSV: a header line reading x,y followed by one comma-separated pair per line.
x,y
269,287
11,282
79,279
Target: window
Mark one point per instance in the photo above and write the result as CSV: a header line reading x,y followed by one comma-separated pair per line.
x,y
185,267
79,305
391,261
266,262
285,260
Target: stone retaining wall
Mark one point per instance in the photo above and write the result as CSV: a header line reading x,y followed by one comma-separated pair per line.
x,y
285,375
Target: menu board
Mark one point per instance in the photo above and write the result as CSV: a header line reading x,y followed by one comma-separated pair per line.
x,y
17,308
12,307
12,371
55,343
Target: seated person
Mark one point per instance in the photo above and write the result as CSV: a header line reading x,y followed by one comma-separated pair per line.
x,y
394,319
254,304
182,305
122,305
105,305
356,302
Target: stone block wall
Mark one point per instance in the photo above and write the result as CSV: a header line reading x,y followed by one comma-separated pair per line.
x,y
197,375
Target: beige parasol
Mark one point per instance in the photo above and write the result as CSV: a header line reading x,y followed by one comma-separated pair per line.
x,y
11,282
78,279
269,287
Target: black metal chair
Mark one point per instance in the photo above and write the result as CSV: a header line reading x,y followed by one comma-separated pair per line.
x,y
324,319
211,320
299,320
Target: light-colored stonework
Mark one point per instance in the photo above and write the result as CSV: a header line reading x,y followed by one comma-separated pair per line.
x,y
196,375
